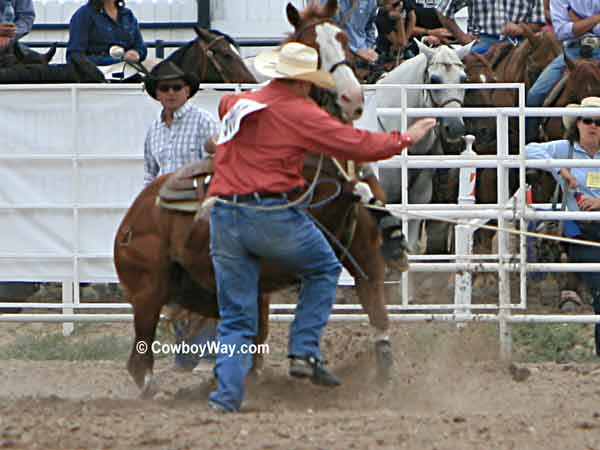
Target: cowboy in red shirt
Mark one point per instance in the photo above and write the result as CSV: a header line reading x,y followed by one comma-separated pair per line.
x,y
264,137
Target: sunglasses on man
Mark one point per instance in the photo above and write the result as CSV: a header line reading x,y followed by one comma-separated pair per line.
x,y
166,87
589,121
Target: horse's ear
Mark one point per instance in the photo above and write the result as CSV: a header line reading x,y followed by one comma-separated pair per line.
x,y
202,33
50,54
293,15
464,50
427,51
330,8
570,63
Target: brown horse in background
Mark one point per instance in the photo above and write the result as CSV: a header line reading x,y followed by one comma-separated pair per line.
x,y
157,262
503,63
16,54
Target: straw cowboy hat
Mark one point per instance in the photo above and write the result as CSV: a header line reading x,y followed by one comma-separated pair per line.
x,y
168,70
123,71
296,61
588,102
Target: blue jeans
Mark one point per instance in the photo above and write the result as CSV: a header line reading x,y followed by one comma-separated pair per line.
x,y
206,334
544,84
585,254
240,240
487,41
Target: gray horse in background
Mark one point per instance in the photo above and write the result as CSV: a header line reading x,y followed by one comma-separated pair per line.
x,y
441,65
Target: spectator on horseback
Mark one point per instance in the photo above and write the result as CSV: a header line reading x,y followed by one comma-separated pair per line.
x,y
577,24
106,32
492,22
180,135
582,190
395,21
16,20
398,24
265,135
357,18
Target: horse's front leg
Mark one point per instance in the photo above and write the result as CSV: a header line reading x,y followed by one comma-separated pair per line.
x,y
371,294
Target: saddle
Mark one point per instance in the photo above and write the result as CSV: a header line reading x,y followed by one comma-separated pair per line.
x,y
186,188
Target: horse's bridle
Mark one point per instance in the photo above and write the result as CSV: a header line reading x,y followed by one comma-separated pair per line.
x,y
443,104
302,30
209,55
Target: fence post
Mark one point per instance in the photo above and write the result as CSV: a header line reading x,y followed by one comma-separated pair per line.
x,y
203,13
159,49
503,247
463,236
67,297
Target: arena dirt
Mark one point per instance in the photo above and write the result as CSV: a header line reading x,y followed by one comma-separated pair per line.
x,y
449,391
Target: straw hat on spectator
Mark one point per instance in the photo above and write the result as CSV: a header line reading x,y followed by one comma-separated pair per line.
x,y
588,102
294,61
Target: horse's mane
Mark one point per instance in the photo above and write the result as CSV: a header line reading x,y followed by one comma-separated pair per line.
x,y
177,56
314,11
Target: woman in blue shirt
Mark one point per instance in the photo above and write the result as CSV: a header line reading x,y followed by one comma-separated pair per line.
x,y
101,24
582,190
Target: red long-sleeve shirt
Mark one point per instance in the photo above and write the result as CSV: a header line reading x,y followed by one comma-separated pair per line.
x,y
267,153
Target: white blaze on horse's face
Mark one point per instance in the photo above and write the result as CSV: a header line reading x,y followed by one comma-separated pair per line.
x,y
349,91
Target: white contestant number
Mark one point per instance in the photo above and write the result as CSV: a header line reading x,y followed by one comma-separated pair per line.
x,y
230,124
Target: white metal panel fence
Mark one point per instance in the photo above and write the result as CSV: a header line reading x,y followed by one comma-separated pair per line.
x,y
71,163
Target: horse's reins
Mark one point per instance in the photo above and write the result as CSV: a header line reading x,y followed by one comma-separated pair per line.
x,y
208,55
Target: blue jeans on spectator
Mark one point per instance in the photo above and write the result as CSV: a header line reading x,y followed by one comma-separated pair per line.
x,y
544,84
240,239
585,254
206,334
487,41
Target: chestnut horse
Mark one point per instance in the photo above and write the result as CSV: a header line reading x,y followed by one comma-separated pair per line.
x,y
157,262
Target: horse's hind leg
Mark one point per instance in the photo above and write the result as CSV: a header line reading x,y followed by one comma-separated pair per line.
x,y
141,360
263,332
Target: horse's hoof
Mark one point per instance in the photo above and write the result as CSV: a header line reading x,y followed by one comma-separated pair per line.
x,y
385,359
150,388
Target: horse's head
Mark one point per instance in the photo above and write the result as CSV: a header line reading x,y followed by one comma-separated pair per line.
x,y
314,27
479,70
583,81
17,54
543,48
445,66
214,58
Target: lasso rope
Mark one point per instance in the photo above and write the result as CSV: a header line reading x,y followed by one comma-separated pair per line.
x,y
551,237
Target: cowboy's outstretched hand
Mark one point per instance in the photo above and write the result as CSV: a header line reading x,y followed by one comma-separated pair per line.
x,y
420,128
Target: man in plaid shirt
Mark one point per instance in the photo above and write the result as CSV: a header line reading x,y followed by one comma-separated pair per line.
x,y
492,21
183,133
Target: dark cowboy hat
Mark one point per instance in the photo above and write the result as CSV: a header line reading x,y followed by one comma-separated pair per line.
x,y
167,70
